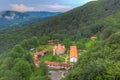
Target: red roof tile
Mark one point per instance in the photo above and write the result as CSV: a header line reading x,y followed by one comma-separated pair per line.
x,y
73,52
93,37
59,46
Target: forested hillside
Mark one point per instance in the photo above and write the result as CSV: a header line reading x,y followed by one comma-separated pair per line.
x,y
98,59
99,18
101,62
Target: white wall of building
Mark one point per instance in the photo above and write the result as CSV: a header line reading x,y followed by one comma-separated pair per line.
x,y
73,59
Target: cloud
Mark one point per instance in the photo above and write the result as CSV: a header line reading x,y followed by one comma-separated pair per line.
x,y
52,8
58,6
21,7
55,8
90,0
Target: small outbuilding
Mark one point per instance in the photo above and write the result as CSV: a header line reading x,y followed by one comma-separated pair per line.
x,y
73,54
93,38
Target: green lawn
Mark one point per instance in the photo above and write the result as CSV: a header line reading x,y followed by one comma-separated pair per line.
x,y
49,47
47,57
50,57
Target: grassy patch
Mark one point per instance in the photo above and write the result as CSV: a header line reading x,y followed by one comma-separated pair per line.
x,y
49,47
50,57
47,57
59,59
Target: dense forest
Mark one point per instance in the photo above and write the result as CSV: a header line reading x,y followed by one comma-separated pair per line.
x,y
100,61
99,18
18,63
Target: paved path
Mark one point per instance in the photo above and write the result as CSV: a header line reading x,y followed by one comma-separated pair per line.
x,y
56,75
67,58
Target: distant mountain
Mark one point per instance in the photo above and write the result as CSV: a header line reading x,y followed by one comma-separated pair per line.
x,y
43,14
10,15
13,18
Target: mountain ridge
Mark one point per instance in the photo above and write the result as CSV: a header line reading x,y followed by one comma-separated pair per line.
x,y
14,18
94,18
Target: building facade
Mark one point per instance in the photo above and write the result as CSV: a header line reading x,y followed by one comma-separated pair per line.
x,y
59,49
73,54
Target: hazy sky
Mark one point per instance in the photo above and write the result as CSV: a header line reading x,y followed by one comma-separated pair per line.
x,y
41,5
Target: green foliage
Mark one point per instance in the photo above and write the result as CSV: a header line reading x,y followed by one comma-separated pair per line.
x,y
2,69
114,40
18,65
50,57
89,45
40,78
17,52
113,71
41,47
53,58
67,43
44,40
81,43
22,68
99,63
82,22
33,42
44,69
93,70
38,74
73,75
30,43
9,61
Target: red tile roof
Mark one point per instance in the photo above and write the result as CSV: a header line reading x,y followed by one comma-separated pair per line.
x,y
93,37
42,52
36,59
37,54
73,52
59,46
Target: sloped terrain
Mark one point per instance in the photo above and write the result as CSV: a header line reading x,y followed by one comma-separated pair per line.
x,y
94,18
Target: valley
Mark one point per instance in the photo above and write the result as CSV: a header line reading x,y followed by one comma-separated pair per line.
x,y
16,19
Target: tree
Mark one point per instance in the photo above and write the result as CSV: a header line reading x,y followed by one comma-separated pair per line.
x,y
30,43
114,41
67,43
80,45
89,45
17,52
33,42
2,69
113,71
44,39
25,44
9,61
23,69
93,70
44,69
